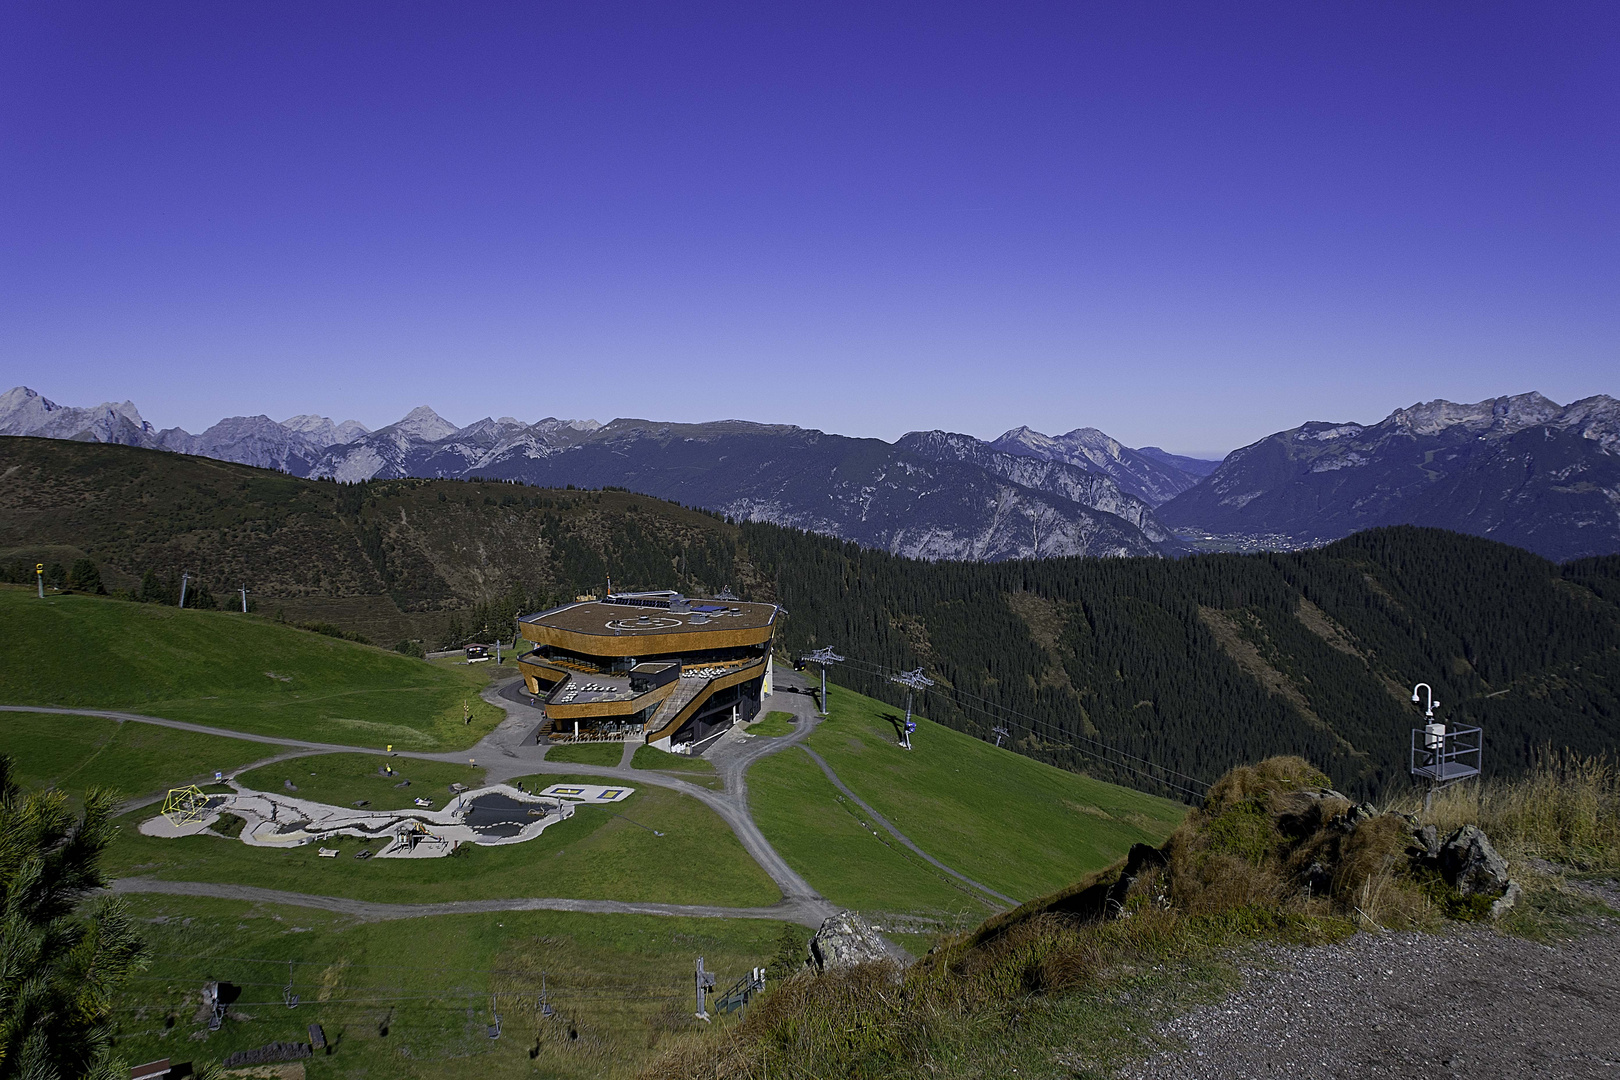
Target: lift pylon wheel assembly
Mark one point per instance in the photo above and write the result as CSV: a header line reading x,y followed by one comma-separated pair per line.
x,y
183,805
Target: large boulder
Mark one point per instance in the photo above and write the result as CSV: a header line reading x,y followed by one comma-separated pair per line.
x,y
1471,864
844,941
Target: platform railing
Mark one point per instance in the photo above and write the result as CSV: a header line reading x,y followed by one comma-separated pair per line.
x,y
1447,755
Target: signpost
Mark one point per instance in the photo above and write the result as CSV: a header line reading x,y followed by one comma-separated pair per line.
x,y
705,983
39,576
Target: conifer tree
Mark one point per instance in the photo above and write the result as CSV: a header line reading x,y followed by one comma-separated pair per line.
x,y
61,959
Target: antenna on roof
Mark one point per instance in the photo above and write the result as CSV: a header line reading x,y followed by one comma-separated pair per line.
x,y
823,657
913,681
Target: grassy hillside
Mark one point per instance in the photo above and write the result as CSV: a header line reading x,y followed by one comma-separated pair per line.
x,y
1019,826
232,671
412,1000
849,861
76,753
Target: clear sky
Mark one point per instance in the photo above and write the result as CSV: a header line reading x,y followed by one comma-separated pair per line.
x,y
1186,224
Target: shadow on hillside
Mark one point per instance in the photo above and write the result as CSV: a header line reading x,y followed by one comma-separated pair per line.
x,y
897,722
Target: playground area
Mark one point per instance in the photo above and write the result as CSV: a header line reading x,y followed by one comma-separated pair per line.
x,y
488,816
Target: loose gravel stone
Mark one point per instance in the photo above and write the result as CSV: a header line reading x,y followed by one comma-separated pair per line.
x,y
1468,1002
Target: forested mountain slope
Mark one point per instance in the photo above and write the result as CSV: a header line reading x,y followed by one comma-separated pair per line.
x,y
1214,660
431,559
1198,663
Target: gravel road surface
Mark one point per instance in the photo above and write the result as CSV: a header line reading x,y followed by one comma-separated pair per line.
x,y
1468,1002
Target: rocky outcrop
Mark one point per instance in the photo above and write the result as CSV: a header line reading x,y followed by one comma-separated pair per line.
x,y
1468,862
844,941
1471,865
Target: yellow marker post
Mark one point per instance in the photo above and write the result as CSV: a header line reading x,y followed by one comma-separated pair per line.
x,y
39,576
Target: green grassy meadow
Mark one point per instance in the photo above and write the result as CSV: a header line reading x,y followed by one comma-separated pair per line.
x,y
852,863
774,724
622,986
593,855
342,779
233,671
76,753
694,770
1017,825
603,754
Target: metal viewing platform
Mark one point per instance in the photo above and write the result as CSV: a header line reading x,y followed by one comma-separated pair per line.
x,y
1446,755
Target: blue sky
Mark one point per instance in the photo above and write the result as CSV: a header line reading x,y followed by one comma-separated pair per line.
x,y
1188,225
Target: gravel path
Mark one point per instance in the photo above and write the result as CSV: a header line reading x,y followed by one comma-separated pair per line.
x,y
801,912
1469,1002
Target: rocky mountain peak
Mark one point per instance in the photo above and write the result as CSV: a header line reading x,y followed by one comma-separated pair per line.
x,y
1096,451
321,431
1507,414
425,424
938,443
26,412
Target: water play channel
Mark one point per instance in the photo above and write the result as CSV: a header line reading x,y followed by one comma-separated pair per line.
x,y
487,816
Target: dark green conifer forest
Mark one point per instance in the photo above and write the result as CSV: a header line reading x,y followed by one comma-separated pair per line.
x,y
1213,660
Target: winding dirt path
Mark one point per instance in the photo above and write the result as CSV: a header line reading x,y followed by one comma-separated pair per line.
x,y
804,914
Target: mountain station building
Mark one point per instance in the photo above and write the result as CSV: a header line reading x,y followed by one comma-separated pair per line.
x,y
657,666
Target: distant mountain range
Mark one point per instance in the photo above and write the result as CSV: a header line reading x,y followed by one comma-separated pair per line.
x,y
930,495
1522,469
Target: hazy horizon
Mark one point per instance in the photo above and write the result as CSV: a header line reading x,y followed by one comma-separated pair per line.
x,y
1186,226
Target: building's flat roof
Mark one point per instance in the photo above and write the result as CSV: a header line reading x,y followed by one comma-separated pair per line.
x,y
600,617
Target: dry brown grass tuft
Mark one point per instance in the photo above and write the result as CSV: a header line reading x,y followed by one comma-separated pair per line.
x,y
1206,883
1272,777
1565,810
1372,875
